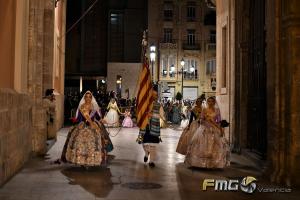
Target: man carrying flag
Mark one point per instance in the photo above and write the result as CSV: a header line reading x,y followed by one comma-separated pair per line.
x,y
148,118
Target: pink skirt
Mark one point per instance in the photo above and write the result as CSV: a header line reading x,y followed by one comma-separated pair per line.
x,y
127,122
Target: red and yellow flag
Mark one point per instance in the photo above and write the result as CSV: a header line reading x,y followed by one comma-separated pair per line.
x,y
144,96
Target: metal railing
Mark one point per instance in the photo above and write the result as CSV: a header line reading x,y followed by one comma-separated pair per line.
x,y
168,44
191,46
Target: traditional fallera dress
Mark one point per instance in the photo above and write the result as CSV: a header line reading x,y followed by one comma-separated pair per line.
x,y
127,122
112,116
188,132
87,144
208,148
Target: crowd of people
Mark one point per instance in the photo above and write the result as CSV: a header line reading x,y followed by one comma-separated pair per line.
x,y
176,112
122,112
202,140
111,107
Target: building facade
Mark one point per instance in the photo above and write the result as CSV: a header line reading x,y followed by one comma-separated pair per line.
x,y
183,31
86,44
126,23
31,61
258,81
110,32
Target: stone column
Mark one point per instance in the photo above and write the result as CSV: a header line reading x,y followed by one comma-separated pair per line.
x,y
35,76
291,53
48,44
40,66
283,81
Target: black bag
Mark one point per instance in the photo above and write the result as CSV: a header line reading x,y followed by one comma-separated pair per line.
x,y
224,123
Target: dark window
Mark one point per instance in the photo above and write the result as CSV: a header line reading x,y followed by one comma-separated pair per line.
x,y
168,11
116,37
210,18
168,35
191,11
191,37
213,36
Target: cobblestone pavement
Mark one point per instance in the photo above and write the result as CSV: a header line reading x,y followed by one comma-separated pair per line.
x,y
127,177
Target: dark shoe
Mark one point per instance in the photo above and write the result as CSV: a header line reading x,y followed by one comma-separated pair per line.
x,y
151,164
145,159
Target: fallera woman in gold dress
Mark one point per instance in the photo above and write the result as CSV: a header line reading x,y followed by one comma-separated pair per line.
x,y
208,148
88,142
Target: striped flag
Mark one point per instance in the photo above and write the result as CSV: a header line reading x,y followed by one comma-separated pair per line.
x,y
144,96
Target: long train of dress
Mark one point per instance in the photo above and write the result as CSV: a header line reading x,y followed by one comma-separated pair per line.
x,y
208,148
186,137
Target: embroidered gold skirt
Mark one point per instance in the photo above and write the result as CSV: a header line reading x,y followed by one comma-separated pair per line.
x,y
85,145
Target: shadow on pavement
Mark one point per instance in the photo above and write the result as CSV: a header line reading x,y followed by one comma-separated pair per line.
x,y
95,180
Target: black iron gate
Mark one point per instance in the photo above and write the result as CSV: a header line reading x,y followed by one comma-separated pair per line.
x,y
257,123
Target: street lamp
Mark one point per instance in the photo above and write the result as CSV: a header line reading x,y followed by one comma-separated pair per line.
x,y
182,62
182,65
152,57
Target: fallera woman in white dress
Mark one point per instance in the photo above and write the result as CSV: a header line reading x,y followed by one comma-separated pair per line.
x,y
112,116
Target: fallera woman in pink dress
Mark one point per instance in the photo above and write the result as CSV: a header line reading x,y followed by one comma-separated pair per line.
x,y
127,122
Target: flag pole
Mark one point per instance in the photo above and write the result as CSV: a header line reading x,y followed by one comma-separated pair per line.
x,y
143,55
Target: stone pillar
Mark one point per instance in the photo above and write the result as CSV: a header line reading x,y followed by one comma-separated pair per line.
x,y
48,44
239,130
40,66
59,60
291,53
283,81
